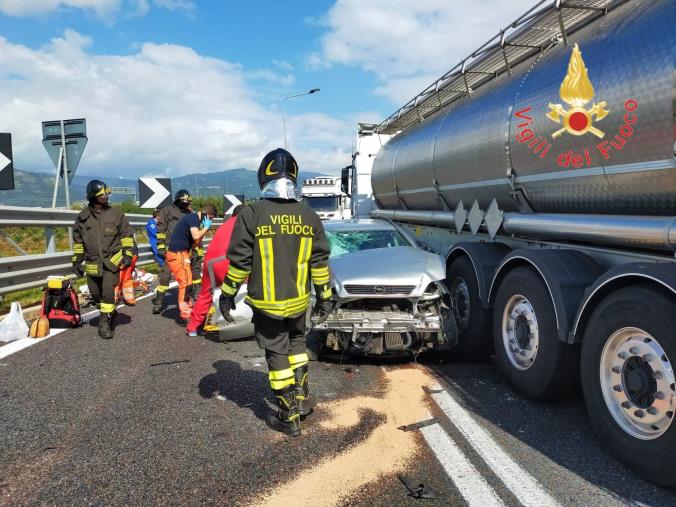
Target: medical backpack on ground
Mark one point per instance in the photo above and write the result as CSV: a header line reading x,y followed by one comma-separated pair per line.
x,y
60,304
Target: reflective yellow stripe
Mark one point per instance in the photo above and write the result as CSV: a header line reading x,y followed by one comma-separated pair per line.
x,y
298,360
303,258
326,294
78,248
127,242
73,258
200,252
92,269
197,280
237,275
107,307
162,288
281,308
161,235
268,265
320,276
116,258
161,246
279,379
128,252
228,289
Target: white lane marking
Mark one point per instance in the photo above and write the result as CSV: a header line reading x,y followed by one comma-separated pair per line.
x,y
524,486
24,343
472,486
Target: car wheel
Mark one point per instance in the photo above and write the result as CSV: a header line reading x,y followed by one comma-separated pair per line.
x,y
628,379
527,348
475,340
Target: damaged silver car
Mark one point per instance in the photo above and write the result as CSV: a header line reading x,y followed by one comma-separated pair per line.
x,y
390,296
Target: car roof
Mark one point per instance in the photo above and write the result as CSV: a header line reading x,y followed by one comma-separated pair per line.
x,y
358,224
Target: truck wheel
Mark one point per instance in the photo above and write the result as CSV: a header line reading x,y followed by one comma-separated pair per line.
x,y
475,340
628,379
527,348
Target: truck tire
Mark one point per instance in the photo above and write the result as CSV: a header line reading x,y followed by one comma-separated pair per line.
x,y
527,348
628,379
475,340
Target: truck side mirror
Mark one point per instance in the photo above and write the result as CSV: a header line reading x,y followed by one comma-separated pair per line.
x,y
345,180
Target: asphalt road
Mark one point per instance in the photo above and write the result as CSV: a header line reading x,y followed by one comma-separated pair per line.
x,y
154,417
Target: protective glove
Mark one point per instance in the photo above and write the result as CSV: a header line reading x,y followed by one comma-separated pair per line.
x,y
225,304
78,269
125,262
323,308
206,223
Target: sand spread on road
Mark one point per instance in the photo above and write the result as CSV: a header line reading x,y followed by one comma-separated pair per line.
x,y
384,452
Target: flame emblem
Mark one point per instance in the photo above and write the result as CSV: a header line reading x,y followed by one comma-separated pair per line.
x,y
576,91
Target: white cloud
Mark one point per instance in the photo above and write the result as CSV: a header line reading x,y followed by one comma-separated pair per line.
x,y
409,44
102,8
164,109
105,9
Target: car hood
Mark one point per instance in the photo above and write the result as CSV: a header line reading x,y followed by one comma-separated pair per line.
x,y
394,266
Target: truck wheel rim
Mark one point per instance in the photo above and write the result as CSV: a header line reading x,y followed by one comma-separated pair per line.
x,y
638,384
460,298
520,335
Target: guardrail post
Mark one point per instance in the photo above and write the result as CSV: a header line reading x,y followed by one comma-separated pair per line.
x,y
50,240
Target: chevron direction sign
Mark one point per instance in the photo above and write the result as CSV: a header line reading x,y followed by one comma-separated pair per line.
x,y
6,163
154,192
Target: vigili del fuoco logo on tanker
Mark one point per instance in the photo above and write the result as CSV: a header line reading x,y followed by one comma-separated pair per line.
x,y
578,119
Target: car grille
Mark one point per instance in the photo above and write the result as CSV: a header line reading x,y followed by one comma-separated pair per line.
x,y
380,290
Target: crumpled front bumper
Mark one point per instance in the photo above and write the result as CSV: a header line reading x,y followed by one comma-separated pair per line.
x,y
367,321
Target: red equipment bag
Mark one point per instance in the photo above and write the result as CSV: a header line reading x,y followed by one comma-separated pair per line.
x,y
60,304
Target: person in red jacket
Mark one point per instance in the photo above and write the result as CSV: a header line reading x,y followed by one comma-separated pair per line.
x,y
217,248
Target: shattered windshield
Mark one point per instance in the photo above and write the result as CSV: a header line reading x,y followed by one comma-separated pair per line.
x,y
343,242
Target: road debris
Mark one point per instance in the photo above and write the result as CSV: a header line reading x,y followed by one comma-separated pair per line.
x,y
418,425
417,489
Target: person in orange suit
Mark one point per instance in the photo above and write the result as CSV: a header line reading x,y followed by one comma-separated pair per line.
x,y
217,248
187,233
126,286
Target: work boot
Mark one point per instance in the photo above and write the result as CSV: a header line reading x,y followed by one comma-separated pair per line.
x,y
301,391
113,320
105,330
287,419
158,302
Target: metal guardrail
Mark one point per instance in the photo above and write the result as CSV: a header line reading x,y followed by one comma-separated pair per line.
x,y
27,271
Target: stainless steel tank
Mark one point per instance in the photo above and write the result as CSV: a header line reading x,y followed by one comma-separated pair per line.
x,y
545,134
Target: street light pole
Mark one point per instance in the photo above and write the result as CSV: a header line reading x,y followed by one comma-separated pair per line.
x,y
310,92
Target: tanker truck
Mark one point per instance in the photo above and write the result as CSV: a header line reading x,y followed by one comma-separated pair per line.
x,y
542,168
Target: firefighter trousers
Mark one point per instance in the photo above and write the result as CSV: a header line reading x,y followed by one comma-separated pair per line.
x,y
284,344
102,289
179,264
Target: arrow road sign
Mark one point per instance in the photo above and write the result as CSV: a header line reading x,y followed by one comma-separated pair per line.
x,y
6,163
230,201
154,192
75,138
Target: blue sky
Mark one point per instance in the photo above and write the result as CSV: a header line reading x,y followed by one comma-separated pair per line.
x,y
170,87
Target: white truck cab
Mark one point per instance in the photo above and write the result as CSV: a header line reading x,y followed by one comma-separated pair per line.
x,y
324,195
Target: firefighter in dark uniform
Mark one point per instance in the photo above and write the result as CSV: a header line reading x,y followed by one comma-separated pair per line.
x,y
279,245
166,220
103,239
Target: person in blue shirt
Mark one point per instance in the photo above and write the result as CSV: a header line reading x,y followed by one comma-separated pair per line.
x,y
151,230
